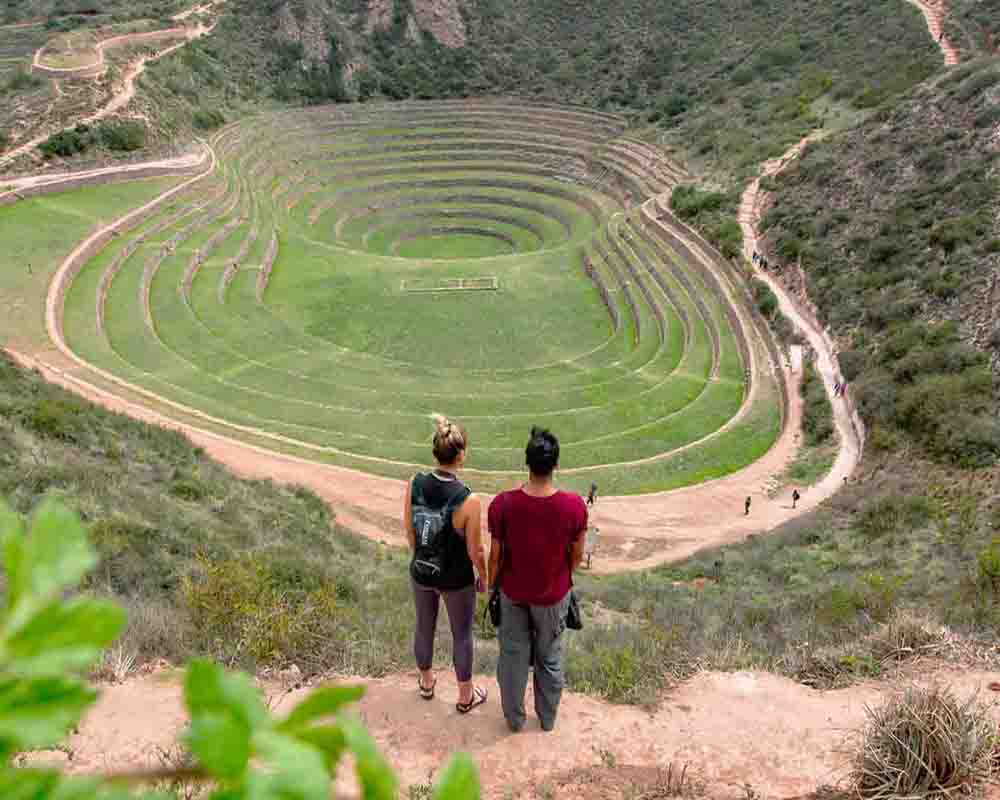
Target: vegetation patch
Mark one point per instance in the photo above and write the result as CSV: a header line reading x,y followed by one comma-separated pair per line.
x,y
124,136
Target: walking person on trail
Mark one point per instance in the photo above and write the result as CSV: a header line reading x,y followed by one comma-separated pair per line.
x,y
592,495
537,543
746,508
755,257
795,498
443,522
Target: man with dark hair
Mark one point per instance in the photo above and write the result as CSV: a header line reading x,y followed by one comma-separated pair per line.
x,y
592,495
746,507
538,541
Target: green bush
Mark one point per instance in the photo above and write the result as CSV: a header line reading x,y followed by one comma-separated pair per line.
x,y
766,300
66,143
122,136
207,119
56,419
817,415
23,80
890,514
688,202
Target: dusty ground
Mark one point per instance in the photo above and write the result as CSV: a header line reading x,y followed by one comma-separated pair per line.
x,y
781,738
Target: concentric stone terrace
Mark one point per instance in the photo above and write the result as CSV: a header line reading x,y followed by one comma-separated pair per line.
x,y
342,275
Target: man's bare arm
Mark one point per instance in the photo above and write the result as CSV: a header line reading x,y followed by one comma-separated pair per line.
x,y
576,552
496,547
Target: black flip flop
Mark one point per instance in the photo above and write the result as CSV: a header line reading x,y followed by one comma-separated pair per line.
x,y
426,692
478,698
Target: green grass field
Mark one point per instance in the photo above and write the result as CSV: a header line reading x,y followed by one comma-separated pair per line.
x,y
38,233
274,299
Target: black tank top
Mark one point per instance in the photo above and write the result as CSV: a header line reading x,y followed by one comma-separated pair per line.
x,y
439,492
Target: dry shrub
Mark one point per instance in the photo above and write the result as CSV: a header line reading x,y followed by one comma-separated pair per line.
x,y
903,637
241,615
924,743
906,636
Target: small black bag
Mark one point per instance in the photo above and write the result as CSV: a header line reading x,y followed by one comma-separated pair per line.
x,y
574,620
493,605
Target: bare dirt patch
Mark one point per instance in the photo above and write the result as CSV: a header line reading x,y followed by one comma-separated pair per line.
x,y
441,18
732,730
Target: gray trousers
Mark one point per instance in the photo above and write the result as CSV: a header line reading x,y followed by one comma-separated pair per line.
x,y
531,636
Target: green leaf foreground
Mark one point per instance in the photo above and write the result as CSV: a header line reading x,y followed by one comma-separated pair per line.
x,y
241,751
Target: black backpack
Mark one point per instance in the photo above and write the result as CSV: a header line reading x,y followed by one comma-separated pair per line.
x,y
431,529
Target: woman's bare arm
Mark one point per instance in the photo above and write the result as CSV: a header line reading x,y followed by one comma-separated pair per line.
x,y
408,517
471,514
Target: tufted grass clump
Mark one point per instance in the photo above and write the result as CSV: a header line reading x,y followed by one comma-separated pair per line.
x,y
925,743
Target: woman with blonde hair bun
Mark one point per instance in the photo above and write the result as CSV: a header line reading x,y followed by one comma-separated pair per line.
x,y
443,523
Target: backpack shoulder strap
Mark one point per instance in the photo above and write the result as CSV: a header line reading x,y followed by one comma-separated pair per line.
x,y
417,489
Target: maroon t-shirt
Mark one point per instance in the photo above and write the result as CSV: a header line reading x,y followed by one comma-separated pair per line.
x,y
536,533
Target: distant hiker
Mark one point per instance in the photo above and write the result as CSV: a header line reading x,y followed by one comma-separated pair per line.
x,y
592,495
443,521
795,497
836,388
746,507
538,534
755,257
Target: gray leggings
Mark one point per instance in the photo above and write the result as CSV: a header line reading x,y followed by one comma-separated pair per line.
x,y
461,606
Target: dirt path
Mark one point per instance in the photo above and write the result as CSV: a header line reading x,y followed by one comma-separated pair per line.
x,y
934,12
186,161
798,741
850,429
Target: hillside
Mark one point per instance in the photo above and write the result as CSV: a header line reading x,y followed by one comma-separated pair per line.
x,y
891,228
722,84
683,71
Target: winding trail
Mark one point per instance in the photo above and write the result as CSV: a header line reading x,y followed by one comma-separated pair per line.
x,y
934,12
